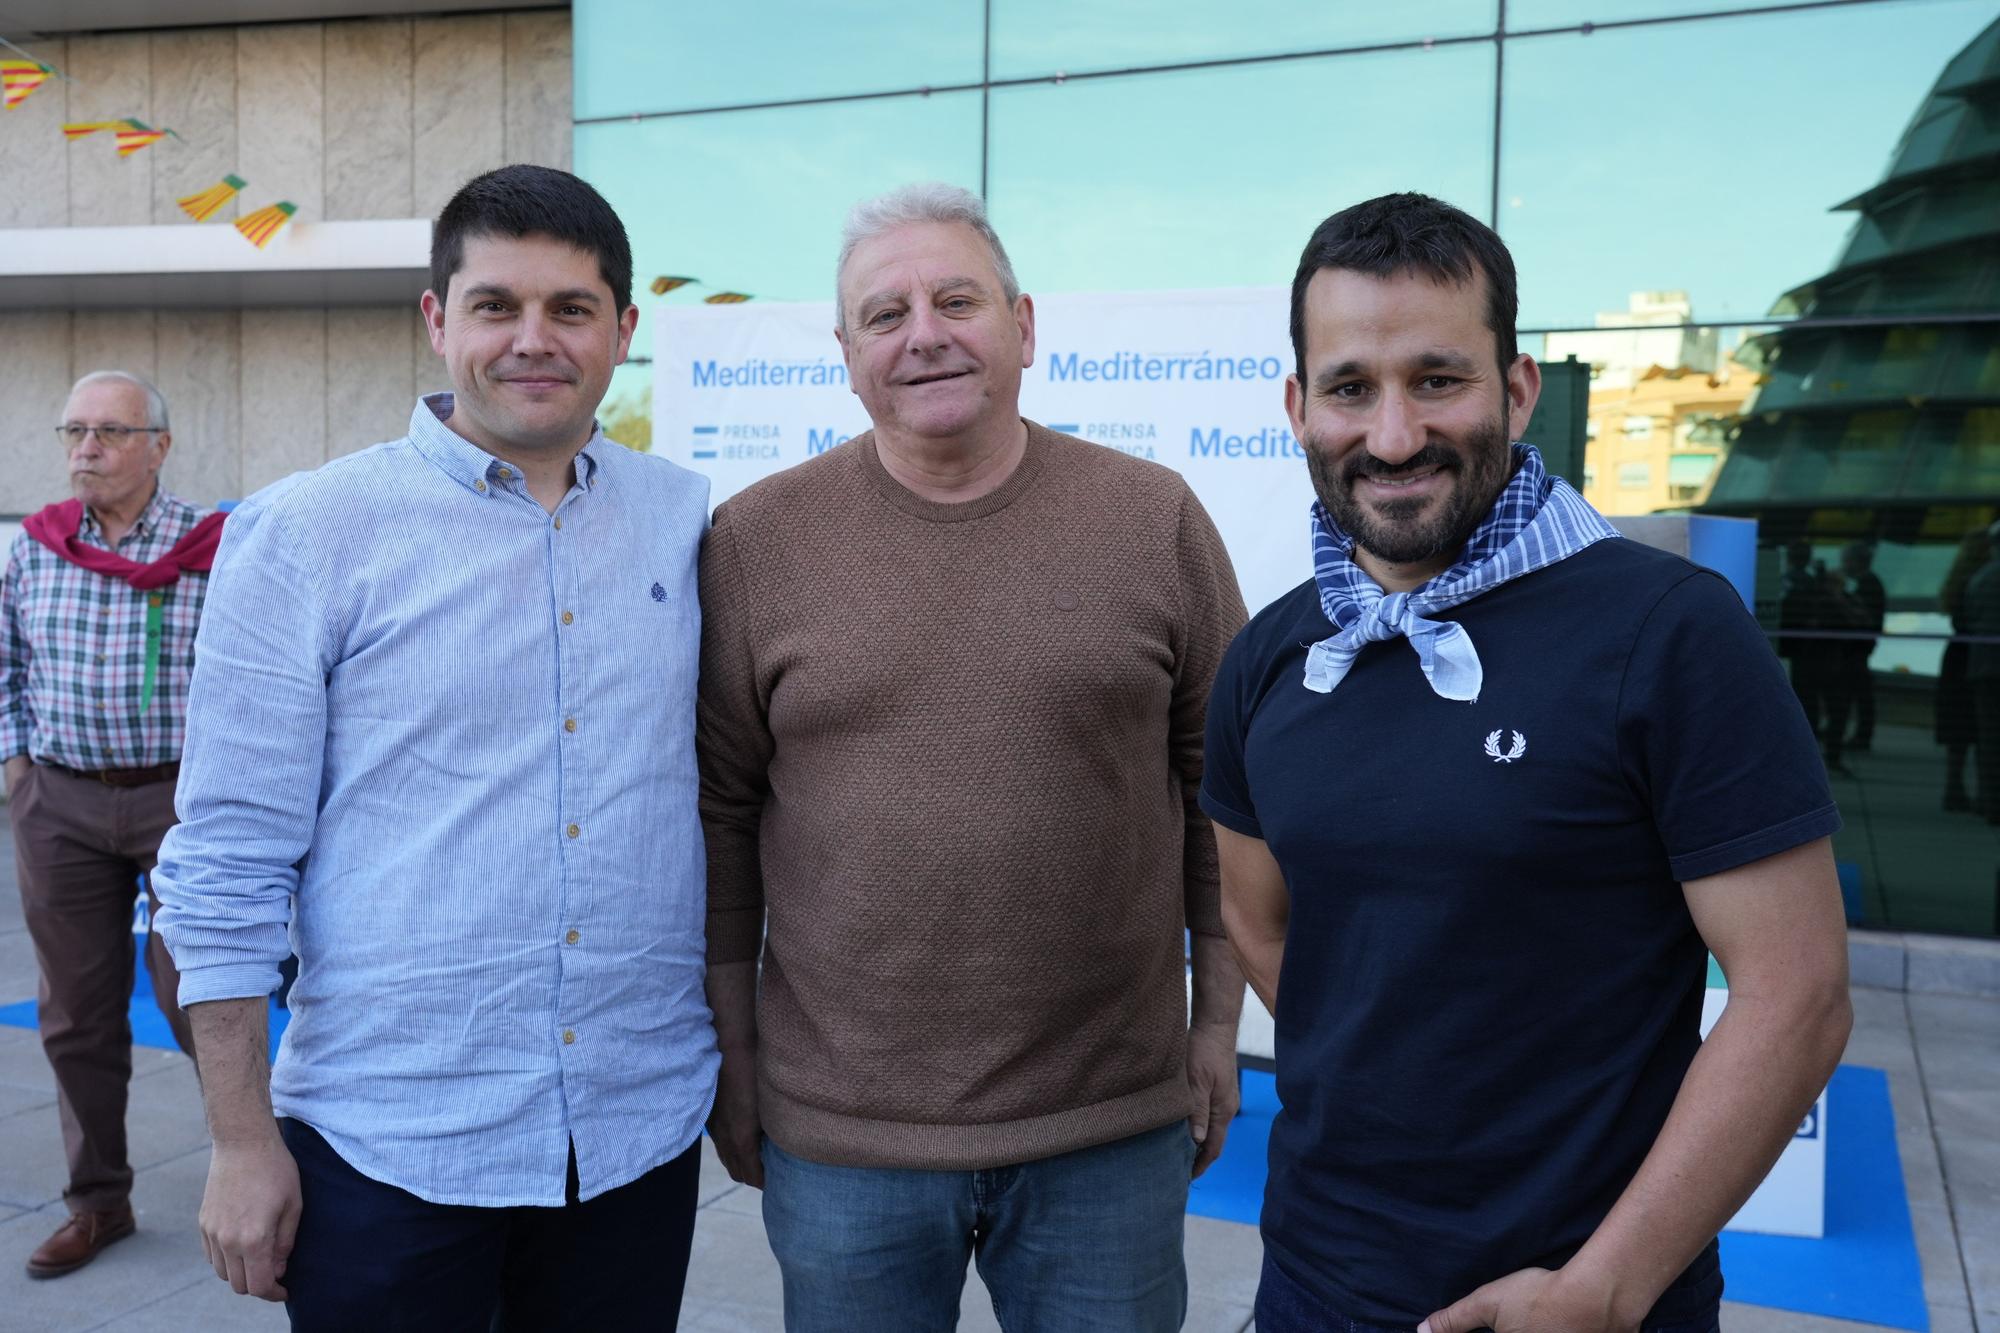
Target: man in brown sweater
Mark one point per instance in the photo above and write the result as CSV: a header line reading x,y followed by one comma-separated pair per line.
x,y
953,684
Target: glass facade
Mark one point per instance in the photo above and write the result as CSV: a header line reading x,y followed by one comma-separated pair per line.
x,y
1769,234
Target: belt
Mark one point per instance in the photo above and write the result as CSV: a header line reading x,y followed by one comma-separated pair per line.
x,y
121,777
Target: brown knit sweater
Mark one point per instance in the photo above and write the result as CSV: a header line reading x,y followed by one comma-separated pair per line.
x,y
949,757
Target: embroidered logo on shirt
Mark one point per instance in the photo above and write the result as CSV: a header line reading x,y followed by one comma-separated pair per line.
x,y
660,595
1519,748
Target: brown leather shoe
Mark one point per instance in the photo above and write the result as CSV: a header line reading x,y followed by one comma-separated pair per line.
x,y
78,1241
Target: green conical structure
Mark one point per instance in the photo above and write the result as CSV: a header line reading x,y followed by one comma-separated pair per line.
x,y
1891,431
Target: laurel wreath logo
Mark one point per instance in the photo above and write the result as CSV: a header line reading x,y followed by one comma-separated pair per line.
x,y
1519,748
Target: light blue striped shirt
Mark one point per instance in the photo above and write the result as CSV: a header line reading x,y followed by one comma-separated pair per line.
x,y
449,739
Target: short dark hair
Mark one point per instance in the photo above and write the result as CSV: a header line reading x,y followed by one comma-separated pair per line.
x,y
524,200
1411,233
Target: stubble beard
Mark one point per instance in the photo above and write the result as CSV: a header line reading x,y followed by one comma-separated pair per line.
x,y
1395,531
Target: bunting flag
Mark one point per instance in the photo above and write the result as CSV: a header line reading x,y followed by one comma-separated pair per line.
x,y
725,298
20,77
663,285
202,206
77,129
133,136
261,226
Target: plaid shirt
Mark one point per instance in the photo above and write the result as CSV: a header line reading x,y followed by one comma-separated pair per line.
x,y
75,652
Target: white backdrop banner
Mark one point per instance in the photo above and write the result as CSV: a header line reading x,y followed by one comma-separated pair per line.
x,y
1192,380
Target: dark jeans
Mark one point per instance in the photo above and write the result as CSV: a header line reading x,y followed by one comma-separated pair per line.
x,y
1693,1304
376,1258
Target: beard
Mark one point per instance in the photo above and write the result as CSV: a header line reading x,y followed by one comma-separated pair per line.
x,y
1396,531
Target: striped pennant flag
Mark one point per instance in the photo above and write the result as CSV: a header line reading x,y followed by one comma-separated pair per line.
x,y
77,129
663,285
261,226
203,205
725,298
134,136
18,78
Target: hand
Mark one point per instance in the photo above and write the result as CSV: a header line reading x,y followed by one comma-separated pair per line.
x,y
1537,1299
733,1123
17,768
250,1215
1212,1091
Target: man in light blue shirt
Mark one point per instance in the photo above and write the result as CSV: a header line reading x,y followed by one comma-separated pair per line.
x,y
441,746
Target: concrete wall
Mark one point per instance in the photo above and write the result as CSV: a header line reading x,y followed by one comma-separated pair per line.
x,y
368,118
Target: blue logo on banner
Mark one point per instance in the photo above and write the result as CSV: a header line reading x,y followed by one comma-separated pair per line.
x,y
1810,1129
699,432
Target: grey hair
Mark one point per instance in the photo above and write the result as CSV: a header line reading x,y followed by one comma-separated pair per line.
x,y
156,402
928,201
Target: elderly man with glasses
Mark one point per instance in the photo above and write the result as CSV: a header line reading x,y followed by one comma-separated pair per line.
x,y
100,600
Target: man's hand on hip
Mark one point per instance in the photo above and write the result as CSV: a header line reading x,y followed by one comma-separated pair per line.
x,y
1212,1090
17,768
1534,1300
733,1123
250,1214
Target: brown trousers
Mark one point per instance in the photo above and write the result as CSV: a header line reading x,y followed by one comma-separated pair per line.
x,y
79,848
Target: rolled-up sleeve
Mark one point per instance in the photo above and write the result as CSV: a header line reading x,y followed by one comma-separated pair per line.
x,y
250,773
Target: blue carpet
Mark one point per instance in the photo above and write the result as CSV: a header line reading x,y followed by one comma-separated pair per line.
x,y
1864,1269
149,1025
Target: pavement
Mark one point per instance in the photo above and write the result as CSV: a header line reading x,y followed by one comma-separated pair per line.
x,y
1941,1053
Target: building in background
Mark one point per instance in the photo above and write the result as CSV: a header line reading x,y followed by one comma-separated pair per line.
x,y
361,122
1660,399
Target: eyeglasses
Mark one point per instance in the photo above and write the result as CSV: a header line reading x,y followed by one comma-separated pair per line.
x,y
110,436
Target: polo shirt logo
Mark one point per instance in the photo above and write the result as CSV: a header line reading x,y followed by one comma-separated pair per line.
x,y
660,595
1519,748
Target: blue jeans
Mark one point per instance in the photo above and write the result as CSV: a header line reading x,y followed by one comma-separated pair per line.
x,y
1088,1240
1692,1304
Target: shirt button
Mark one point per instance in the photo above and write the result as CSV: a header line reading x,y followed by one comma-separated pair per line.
x,y
571,938
569,724
567,618
506,475
479,486
558,525
569,1037
574,830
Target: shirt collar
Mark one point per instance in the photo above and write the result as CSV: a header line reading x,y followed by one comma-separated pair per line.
x,y
468,464
149,520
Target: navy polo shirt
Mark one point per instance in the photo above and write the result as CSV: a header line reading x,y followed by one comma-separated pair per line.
x,y
1492,986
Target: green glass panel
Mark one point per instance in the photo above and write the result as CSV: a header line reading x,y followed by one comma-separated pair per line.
x,y
1957,454
1195,178
1832,456
752,201
1633,160
636,56
1041,37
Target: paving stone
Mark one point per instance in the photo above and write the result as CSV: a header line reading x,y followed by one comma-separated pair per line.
x,y
207,1304
163,1257
1937,1252
1979,1242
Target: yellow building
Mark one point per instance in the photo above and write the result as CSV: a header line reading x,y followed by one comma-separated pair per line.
x,y
1656,442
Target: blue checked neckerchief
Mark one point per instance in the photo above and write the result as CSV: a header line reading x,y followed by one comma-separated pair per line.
x,y
1537,521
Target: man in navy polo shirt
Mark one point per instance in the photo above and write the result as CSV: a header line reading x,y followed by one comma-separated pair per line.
x,y
1486,788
